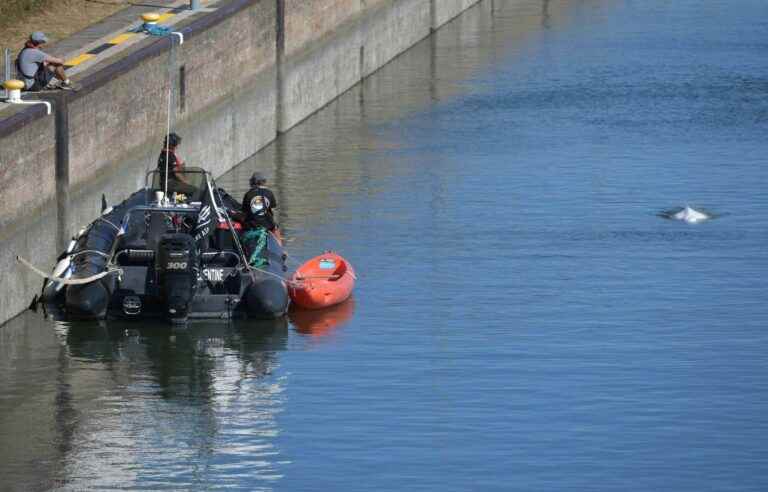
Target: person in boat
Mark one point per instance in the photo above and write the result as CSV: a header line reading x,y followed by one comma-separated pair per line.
x,y
259,204
38,69
175,165
258,217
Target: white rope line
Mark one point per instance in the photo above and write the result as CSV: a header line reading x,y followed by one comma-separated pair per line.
x,y
108,222
68,281
89,251
266,272
168,126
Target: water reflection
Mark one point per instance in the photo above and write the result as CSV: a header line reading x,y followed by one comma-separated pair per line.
x,y
323,322
152,406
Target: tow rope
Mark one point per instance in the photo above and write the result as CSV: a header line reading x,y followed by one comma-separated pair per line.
x,y
259,235
153,29
68,281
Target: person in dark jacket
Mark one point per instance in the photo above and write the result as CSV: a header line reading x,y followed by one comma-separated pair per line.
x,y
258,218
176,181
258,204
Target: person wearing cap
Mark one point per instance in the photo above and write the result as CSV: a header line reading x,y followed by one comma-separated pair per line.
x,y
175,165
37,68
258,205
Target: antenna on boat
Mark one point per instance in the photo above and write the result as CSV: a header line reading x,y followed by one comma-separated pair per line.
x,y
168,126
150,27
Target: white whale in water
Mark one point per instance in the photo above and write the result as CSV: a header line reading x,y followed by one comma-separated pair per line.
x,y
687,214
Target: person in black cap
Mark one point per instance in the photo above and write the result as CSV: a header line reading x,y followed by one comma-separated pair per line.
x,y
38,69
258,205
175,165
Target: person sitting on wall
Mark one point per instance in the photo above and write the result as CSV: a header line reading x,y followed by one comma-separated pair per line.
x,y
175,165
39,70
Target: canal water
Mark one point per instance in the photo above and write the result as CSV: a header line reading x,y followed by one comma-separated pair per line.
x,y
523,320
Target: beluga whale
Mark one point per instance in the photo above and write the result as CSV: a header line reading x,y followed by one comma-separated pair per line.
x,y
687,214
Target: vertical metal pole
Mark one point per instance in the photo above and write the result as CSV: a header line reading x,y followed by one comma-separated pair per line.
x,y
279,76
194,4
62,169
432,16
7,65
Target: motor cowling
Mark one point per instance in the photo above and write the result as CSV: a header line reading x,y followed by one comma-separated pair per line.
x,y
176,266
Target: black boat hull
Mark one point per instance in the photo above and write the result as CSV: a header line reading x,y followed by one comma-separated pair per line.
x,y
167,275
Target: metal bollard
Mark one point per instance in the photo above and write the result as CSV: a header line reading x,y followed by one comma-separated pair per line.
x,y
194,4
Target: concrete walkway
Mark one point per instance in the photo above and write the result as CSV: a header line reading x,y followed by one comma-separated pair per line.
x,y
112,35
114,23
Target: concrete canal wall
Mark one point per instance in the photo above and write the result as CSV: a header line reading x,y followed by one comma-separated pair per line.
x,y
247,71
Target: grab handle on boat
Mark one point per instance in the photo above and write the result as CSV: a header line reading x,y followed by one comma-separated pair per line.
x,y
68,281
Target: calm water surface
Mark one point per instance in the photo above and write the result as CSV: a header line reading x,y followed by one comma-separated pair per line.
x,y
523,319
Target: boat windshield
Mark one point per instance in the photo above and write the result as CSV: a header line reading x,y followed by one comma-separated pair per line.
x,y
189,181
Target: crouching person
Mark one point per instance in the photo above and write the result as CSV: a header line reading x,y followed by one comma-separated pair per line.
x,y
38,69
258,217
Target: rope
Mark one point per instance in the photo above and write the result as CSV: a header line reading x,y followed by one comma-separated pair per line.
x,y
260,236
89,251
294,260
110,223
155,30
68,281
266,272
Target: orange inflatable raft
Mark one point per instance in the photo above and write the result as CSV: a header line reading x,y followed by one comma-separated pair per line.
x,y
323,281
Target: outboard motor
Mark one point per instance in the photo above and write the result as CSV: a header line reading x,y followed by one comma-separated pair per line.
x,y
176,267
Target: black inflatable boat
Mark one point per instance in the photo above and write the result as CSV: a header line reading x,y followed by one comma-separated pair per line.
x,y
176,258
